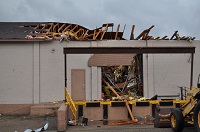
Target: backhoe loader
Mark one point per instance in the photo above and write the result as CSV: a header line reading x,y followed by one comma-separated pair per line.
x,y
189,112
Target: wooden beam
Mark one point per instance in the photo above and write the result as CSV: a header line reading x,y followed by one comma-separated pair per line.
x,y
132,32
174,35
79,31
37,26
141,34
123,30
130,112
54,27
116,35
150,27
67,28
74,27
164,37
85,34
147,32
64,25
97,34
94,34
105,30
108,24
149,38
44,26
183,38
50,28
111,88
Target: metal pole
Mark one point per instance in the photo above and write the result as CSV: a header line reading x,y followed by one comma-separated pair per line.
x,y
181,93
65,61
191,77
65,70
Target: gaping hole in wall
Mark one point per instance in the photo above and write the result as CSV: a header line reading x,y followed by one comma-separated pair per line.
x,y
125,80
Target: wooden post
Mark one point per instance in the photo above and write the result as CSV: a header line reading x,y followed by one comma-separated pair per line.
x,y
129,110
132,33
116,35
110,87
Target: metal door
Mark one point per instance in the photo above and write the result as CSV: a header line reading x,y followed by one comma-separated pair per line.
x,y
78,84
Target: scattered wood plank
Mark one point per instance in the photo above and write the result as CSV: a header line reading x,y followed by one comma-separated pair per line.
x,y
164,37
157,38
105,30
130,112
116,35
111,88
174,35
121,122
132,33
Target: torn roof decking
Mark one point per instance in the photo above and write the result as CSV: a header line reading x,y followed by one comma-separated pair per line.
x,y
54,30
16,30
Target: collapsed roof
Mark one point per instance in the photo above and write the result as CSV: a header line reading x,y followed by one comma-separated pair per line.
x,y
68,31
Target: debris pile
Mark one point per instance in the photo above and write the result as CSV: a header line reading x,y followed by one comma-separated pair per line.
x,y
145,36
58,31
121,83
122,122
44,128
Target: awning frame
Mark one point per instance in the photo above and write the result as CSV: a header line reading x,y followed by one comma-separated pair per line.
x,y
130,50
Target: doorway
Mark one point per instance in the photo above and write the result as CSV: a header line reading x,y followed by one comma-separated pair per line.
x,y
78,84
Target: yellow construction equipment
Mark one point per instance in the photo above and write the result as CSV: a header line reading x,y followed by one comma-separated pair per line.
x,y
189,112
71,104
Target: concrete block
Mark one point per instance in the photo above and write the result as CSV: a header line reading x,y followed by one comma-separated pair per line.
x,y
15,109
62,118
117,113
141,111
44,109
93,113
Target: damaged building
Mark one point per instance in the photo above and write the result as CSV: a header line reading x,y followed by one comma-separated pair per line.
x,y
38,61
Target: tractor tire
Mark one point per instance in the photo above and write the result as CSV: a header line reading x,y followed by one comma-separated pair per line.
x,y
176,120
196,117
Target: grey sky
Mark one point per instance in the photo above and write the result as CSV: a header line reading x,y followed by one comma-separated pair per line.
x,y
167,15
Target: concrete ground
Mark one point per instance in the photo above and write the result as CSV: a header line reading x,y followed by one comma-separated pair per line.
x,y
21,123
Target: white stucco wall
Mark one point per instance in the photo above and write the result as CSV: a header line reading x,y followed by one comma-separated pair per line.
x,y
164,72
51,73
16,73
33,72
93,74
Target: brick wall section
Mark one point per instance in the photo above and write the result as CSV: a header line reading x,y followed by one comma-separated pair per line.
x,y
62,118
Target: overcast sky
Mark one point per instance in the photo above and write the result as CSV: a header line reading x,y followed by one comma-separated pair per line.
x,y
167,15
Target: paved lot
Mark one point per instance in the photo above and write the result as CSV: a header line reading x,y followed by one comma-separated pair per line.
x,y
126,128
21,123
